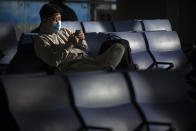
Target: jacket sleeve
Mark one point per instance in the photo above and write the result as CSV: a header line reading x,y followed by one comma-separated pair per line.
x,y
82,43
51,56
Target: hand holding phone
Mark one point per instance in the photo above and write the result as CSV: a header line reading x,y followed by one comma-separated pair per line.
x,y
79,34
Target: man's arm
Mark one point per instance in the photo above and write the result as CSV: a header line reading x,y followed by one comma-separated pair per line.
x,y
51,56
80,40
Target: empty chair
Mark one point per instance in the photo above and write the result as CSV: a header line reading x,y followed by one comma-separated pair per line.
x,y
157,24
94,41
25,60
71,25
165,47
97,26
127,25
139,52
8,43
104,102
7,120
27,38
40,103
162,96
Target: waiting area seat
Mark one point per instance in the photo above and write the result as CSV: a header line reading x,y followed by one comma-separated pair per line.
x,y
94,41
40,103
25,60
150,100
127,25
157,25
166,47
8,43
97,26
162,96
103,101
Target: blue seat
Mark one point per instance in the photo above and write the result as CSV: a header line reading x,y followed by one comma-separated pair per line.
x,y
25,60
162,95
94,41
8,43
157,24
40,103
104,101
71,25
97,26
8,123
127,25
165,47
139,52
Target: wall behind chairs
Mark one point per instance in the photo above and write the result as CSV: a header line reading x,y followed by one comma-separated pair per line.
x,y
179,12
140,9
187,22
25,14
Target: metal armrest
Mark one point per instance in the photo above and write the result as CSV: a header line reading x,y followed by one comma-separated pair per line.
x,y
147,124
171,65
170,127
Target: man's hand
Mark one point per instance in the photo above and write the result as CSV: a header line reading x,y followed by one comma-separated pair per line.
x,y
79,34
77,37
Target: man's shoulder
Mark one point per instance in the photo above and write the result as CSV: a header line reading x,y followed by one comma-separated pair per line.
x,y
41,38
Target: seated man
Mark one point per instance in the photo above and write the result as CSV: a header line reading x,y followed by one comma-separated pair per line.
x,y
65,50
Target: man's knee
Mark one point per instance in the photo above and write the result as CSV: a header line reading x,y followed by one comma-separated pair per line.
x,y
119,46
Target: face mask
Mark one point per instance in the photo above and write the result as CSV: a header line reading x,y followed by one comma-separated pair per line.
x,y
56,27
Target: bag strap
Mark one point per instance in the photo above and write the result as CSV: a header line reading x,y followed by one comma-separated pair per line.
x,y
112,37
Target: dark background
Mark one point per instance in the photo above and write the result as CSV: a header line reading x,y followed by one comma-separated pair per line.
x,y
181,14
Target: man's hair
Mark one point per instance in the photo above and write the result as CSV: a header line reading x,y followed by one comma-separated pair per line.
x,y
54,1
48,10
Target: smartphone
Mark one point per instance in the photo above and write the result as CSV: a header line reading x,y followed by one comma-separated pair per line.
x,y
77,32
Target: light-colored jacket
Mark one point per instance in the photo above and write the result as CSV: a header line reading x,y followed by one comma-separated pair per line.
x,y
59,48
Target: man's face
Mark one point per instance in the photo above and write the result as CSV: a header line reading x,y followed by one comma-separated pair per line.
x,y
55,18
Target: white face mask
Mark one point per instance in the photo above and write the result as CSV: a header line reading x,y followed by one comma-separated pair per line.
x,y
56,27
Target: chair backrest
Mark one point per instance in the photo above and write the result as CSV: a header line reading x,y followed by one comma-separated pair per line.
x,y
157,24
156,86
7,120
26,60
102,98
166,47
163,97
8,42
97,26
71,25
94,41
127,25
163,41
138,48
40,103
27,38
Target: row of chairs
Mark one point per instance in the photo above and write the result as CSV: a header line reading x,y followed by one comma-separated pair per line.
x,y
118,26
161,49
7,30
149,50
130,101
9,44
